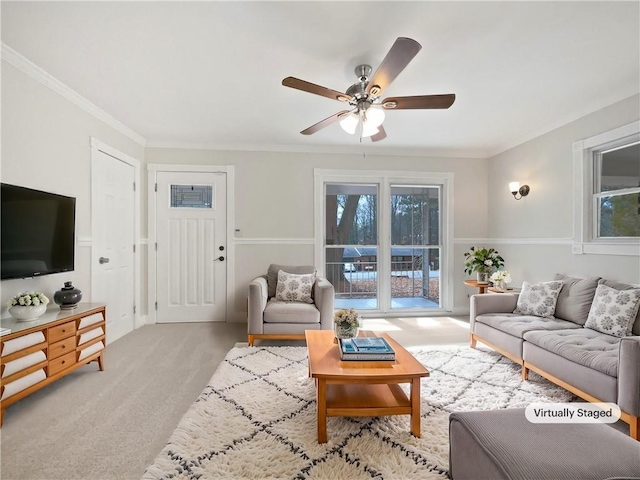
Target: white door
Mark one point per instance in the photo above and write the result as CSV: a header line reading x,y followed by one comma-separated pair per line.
x,y
112,262
191,219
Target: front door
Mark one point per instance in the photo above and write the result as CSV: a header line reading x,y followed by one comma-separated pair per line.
x,y
191,247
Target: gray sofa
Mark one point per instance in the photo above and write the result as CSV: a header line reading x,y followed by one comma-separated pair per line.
x,y
504,445
595,366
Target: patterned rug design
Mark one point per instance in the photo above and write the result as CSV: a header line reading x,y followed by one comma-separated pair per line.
x,y
257,419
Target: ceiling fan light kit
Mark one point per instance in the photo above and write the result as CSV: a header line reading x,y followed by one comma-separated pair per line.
x,y
367,110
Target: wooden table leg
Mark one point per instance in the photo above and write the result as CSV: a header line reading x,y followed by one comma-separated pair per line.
x,y
415,407
101,362
321,400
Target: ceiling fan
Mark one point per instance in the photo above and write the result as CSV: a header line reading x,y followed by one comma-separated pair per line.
x,y
367,110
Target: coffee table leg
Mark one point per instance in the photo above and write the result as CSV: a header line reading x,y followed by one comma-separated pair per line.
x,y
321,401
415,407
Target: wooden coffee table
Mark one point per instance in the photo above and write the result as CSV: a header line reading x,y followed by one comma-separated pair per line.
x,y
362,389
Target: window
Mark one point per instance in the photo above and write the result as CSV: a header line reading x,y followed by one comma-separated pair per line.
x,y
617,191
383,239
607,192
191,196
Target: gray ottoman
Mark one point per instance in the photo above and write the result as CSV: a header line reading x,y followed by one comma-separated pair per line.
x,y
503,444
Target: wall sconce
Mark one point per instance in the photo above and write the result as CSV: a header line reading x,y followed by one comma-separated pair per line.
x,y
515,189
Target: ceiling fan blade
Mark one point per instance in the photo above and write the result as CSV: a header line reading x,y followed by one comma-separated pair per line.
x,y
324,123
315,89
381,135
401,53
420,101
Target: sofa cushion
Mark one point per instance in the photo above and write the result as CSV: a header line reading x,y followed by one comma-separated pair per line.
x,y
518,325
538,299
272,274
295,288
635,328
575,298
582,346
613,311
290,312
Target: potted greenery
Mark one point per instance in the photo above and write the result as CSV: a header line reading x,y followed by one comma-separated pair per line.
x,y
482,261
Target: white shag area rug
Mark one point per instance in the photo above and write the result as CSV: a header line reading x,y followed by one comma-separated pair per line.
x,y
257,419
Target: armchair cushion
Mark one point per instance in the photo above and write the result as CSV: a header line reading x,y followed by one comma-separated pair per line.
x,y
295,288
272,274
290,312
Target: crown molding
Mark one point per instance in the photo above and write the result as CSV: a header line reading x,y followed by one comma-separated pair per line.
x,y
32,70
347,150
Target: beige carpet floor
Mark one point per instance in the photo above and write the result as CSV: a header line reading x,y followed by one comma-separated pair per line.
x,y
112,424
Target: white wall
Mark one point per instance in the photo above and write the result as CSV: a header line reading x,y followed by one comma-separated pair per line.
x,y
46,146
542,222
274,199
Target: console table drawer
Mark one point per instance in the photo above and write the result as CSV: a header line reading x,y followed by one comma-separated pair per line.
x,y
61,331
61,363
63,346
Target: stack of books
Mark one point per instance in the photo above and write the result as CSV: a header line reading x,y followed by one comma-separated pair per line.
x,y
366,349
4,331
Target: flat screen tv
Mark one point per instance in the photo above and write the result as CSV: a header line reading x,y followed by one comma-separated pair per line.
x,y
38,232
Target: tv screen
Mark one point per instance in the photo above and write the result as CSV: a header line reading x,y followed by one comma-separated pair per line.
x,y
38,232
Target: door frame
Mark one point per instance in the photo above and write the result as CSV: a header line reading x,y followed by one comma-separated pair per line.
x,y
384,179
152,171
96,147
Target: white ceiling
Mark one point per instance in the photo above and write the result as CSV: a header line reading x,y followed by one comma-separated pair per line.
x,y
208,74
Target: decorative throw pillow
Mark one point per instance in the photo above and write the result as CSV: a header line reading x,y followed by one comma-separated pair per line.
x,y
295,288
538,299
613,311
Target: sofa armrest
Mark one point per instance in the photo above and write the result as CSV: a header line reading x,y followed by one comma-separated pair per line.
x,y
258,296
491,303
324,296
629,375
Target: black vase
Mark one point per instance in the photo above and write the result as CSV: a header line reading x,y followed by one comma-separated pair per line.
x,y
67,297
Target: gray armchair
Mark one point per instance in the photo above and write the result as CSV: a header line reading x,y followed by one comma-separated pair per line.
x,y
269,318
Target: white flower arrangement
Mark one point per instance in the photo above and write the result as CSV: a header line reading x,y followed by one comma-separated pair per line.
x,y
501,276
28,299
346,318
347,323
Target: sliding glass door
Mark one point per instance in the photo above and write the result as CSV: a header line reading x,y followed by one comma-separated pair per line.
x,y
351,244
415,246
383,239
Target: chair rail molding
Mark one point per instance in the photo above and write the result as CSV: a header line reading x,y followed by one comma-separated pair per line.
x,y
273,241
514,241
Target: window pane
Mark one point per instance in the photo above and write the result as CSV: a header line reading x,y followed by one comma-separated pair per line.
x,y
191,196
620,168
351,215
415,277
620,216
353,271
415,213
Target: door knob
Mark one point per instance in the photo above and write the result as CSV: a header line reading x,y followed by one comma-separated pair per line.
x,y
219,259
103,260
